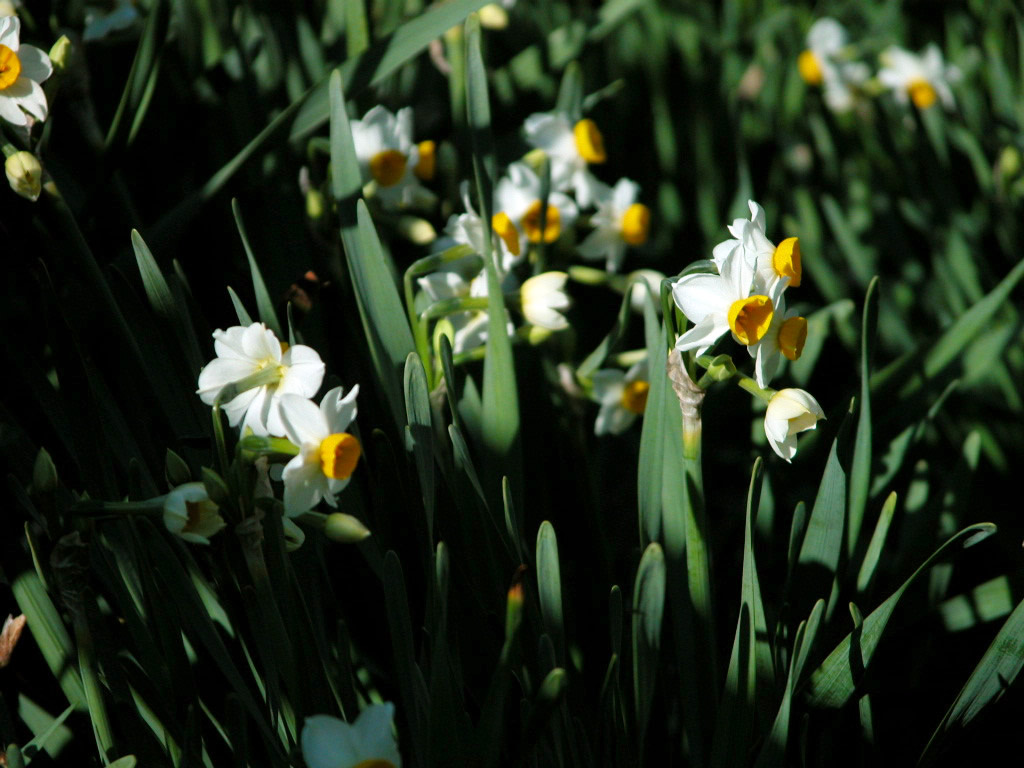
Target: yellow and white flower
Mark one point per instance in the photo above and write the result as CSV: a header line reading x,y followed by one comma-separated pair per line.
x,y
369,742
387,155
717,303
24,174
571,148
243,352
824,63
327,456
790,411
922,79
785,336
190,513
772,263
623,397
620,221
542,297
518,206
468,229
22,69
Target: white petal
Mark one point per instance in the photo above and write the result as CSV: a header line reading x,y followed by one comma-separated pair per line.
x,y
35,64
29,95
229,343
826,37
219,373
339,409
701,295
237,408
260,343
260,414
757,217
625,194
607,386
327,742
10,31
375,735
304,485
703,334
304,371
11,112
303,422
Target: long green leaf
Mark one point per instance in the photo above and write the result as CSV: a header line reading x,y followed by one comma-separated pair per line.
x,y
833,683
421,433
549,584
648,609
860,469
264,304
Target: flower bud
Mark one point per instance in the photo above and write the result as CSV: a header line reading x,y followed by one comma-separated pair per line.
x,y
315,204
60,53
190,513
44,473
790,411
25,174
344,529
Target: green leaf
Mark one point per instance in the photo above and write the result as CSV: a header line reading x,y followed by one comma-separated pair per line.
x,y
570,93
990,679
860,469
420,433
549,584
357,34
593,361
832,684
652,436
243,315
410,679
773,753
648,609
877,544
751,674
264,304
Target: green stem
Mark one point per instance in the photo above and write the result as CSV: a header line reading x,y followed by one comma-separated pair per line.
x,y
751,386
447,307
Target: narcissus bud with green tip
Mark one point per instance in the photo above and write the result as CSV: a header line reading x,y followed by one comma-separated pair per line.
x,y
60,53
25,174
345,529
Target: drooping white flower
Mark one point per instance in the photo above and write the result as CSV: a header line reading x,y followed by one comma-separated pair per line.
x,y
717,303
790,411
245,351
369,742
571,148
623,397
922,79
772,263
387,155
190,513
22,69
824,63
785,336
517,196
542,297
620,221
327,454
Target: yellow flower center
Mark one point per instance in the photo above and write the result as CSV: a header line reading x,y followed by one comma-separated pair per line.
x,y
375,762
810,68
636,222
589,141
388,167
786,260
427,165
10,67
339,454
921,93
749,318
792,336
634,396
532,224
506,230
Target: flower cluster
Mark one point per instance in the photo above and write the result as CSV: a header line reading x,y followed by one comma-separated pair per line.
x,y
265,387
741,290
828,61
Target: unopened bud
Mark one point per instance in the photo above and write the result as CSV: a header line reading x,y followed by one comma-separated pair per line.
x,y
493,16
176,471
44,473
25,174
1009,162
722,368
60,53
538,335
513,610
344,529
314,204
417,230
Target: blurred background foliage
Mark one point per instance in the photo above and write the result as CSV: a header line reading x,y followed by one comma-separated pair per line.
x,y
169,110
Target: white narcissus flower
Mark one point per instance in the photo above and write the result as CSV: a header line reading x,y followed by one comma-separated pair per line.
x,y
468,229
722,302
24,174
823,63
790,411
785,336
469,328
387,155
245,351
190,513
772,263
22,69
517,196
570,148
327,454
623,397
542,297
922,79
369,742
620,221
